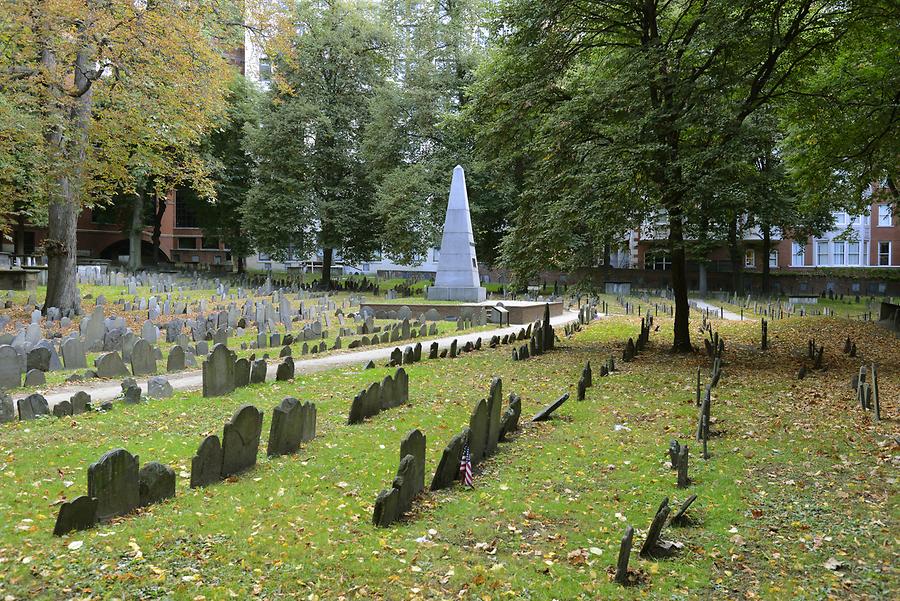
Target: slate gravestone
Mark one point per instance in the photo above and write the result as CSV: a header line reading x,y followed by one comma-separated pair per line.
x,y
433,351
389,397
510,420
62,409
258,371
218,372
401,386
495,407
32,407
110,365
680,518
241,373
7,408
113,480
143,361
479,424
284,352
292,423
156,483
175,360
387,508
206,466
240,440
396,357
544,414
35,377
285,370
413,444
10,367
624,555
447,470
158,387
81,402
653,545
38,358
406,484
77,514
73,354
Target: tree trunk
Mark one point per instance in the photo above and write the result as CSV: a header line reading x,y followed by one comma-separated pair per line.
x,y
20,236
157,227
681,342
766,250
607,253
327,254
737,260
135,230
60,246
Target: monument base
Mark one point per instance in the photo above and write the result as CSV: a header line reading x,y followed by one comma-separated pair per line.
x,y
467,295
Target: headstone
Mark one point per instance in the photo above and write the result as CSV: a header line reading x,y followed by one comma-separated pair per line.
x,y
38,358
175,360
413,444
10,367
495,408
159,387
479,423
77,514
510,420
680,516
35,377
258,371
544,414
81,402
292,424
285,370
447,470
73,354
143,360
241,373
206,466
110,365
218,372
624,555
32,407
387,508
7,408
240,440
62,409
113,480
156,483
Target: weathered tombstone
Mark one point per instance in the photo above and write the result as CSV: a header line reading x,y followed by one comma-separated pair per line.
x,y
131,392
284,352
495,409
113,480
143,359
433,351
77,514
389,397
544,414
285,370
32,407
10,367
241,373
683,479
581,389
240,440
588,375
510,420
401,386
175,360
156,483
7,408
479,423
81,402
159,387
73,354
218,372
413,444
206,466
38,358
290,426
624,556
110,365
653,545
62,409
386,508
680,516
447,470
405,482
396,357
35,377
258,369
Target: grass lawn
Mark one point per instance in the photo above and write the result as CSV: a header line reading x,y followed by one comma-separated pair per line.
x,y
799,481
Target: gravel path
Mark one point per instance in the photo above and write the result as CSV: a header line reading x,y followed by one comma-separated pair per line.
x,y
715,311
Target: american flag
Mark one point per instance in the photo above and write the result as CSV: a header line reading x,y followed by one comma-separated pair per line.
x,y
465,467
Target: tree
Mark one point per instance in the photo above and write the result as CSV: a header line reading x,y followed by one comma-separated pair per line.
x,y
312,187
106,79
629,108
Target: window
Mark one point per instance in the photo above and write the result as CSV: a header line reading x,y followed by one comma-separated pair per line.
x,y
840,218
106,214
190,243
264,257
474,265
184,216
435,255
884,216
884,253
211,243
657,262
749,258
797,252
838,253
822,252
265,69
853,253
773,259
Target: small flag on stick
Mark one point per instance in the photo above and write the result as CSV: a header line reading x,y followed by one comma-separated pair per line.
x,y
465,468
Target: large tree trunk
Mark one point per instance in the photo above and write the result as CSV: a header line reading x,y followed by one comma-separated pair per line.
x,y
766,250
327,255
737,258
20,236
157,227
60,246
681,342
135,231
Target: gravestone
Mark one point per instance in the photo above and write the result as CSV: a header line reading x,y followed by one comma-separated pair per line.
x,y
62,409
447,470
241,373
544,414
35,377
406,483
159,387
113,480
38,358
156,483
258,371
73,354
206,465
401,386
387,508
292,423
7,408
624,555
680,517
653,545
81,402
32,407
175,361
285,370
389,397
433,351
10,367
510,420
218,372
479,424
143,360
413,444
110,365
495,408
240,440
77,514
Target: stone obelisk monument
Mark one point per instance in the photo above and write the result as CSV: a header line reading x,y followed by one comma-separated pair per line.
x,y
457,274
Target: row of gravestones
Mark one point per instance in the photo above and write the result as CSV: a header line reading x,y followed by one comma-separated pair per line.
x,y
35,405
380,396
116,485
393,334
487,426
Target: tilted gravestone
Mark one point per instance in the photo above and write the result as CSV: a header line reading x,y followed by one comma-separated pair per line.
x,y
413,444
258,371
389,397
240,440
680,517
218,372
176,360
110,365
206,465
81,402
479,423
447,470
73,354
406,482
285,370
292,424
510,420
653,545
77,514
624,555
546,412
495,408
32,407
156,483
387,508
113,480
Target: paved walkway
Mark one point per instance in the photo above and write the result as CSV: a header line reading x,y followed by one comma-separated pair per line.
x,y
193,380
716,311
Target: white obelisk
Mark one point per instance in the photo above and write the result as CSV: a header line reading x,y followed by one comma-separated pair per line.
x,y
457,274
